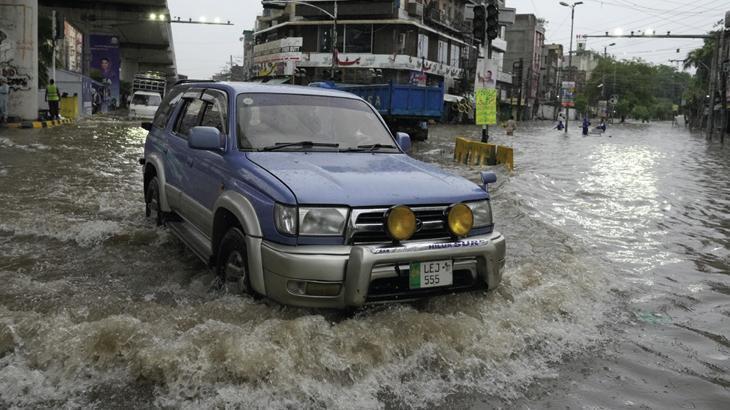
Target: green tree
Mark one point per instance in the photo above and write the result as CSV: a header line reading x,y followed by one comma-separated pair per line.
x,y
581,104
640,112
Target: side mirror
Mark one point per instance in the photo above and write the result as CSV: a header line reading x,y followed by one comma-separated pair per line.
x,y
207,138
488,178
404,141
147,126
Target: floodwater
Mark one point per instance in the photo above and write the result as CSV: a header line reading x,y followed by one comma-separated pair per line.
x,y
616,292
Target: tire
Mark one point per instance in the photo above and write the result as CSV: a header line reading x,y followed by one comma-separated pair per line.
x,y
232,263
152,201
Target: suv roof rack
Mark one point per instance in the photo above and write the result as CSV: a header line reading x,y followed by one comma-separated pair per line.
x,y
185,81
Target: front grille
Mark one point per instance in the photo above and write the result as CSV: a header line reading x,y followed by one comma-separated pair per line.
x,y
397,288
367,225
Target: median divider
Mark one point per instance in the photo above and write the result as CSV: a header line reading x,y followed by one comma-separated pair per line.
x,y
471,152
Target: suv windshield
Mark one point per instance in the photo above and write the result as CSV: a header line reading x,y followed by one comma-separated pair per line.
x,y
307,122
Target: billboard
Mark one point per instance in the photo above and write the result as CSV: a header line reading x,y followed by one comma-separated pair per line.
x,y
73,46
105,64
485,92
567,94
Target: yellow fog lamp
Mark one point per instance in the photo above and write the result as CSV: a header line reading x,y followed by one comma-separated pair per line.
x,y
400,223
459,219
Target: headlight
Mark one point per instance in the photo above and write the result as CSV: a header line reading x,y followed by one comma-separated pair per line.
x,y
459,219
400,223
285,218
322,221
482,211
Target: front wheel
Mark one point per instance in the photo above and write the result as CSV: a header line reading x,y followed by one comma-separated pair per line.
x,y
232,263
152,201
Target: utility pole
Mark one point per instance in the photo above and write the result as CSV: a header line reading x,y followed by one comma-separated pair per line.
x,y
712,86
724,65
570,52
54,30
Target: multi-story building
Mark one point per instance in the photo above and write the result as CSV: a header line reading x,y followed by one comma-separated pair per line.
x,y
248,41
550,81
375,41
583,63
525,38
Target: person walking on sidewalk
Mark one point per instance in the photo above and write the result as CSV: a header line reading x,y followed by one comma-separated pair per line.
x,y
53,97
4,94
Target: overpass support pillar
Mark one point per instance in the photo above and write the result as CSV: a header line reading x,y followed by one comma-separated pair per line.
x,y
19,55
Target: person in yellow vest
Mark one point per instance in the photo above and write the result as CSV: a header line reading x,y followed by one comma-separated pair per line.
x,y
53,96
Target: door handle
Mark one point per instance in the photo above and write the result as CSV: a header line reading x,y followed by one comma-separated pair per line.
x,y
164,150
190,162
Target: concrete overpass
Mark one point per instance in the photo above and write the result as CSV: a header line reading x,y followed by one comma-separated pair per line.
x,y
144,44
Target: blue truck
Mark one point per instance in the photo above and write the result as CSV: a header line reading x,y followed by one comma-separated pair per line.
x,y
404,107
302,195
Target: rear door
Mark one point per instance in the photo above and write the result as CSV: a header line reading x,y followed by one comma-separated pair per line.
x,y
178,155
207,168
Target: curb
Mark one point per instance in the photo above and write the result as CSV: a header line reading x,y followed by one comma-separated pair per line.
x,y
37,124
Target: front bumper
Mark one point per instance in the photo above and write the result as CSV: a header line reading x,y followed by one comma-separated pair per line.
x,y
377,273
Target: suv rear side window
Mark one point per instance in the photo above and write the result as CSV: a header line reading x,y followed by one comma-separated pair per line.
x,y
216,114
163,113
189,118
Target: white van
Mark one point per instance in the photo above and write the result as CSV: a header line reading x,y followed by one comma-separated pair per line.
x,y
144,104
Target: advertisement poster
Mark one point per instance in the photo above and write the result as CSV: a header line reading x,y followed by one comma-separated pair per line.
x,y
73,43
567,94
418,78
486,92
486,101
105,67
486,76
603,108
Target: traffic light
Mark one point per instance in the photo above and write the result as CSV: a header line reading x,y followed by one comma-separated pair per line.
x,y
479,26
492,20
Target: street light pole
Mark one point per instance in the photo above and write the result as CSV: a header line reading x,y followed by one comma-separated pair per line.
x,y
570,52
603,72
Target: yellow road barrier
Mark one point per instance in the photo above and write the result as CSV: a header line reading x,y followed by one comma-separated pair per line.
x,y
505,155
461,150
471,152
70,107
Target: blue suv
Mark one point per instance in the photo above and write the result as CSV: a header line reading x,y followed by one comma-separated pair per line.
x,y
303,195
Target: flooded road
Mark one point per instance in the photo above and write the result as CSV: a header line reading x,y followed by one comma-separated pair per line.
x,y
616,292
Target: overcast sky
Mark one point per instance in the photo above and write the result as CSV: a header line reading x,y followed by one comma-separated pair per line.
x,y
202,50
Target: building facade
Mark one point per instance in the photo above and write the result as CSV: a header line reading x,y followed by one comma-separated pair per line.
x,y
525,38
376,41
550,81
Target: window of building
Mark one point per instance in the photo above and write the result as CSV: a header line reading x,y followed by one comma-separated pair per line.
x,y
359,38
443,52
455,56
422,46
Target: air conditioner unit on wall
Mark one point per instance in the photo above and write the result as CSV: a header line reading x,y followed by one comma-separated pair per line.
x,y
415,9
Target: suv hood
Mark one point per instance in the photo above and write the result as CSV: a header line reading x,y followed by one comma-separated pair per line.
x,y
364,179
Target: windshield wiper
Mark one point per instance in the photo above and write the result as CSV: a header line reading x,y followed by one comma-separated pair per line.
x,y
369,147
303,144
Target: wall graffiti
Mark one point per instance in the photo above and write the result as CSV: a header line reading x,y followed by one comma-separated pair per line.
x,y
17,81
19,55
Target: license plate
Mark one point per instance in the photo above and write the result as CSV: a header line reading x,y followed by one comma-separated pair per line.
x,y
431,274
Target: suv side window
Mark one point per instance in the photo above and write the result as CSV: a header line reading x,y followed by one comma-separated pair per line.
x,y
216,113
189,117
163,113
